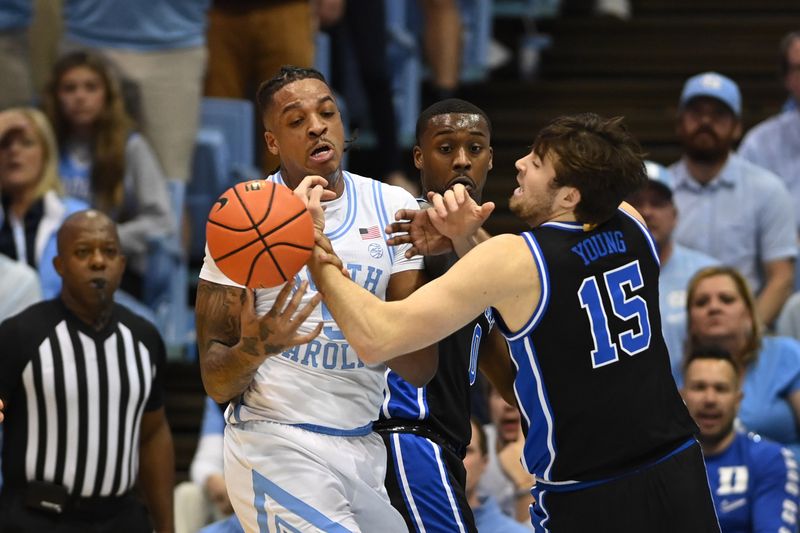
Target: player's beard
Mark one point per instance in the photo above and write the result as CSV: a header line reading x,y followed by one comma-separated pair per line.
x,y
533,211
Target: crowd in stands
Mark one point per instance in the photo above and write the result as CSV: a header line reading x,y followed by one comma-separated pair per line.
x,y
117,121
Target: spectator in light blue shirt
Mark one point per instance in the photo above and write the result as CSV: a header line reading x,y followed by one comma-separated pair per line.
x,y
731,209
775,143
678,265
159,45
488,516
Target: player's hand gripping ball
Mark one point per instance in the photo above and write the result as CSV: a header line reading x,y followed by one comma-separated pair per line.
x,y
259,234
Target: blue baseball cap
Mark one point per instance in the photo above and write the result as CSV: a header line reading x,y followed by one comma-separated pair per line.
x,y
713,85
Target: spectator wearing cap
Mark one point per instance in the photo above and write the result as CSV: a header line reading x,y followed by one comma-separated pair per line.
x,y
678,263
775,143
735,211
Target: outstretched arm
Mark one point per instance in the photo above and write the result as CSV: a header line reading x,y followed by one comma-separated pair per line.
x,y
382,330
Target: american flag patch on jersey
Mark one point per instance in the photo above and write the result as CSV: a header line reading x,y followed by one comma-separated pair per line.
x,y
372,232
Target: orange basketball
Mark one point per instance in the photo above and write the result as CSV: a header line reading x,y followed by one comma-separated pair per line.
x,y
259,234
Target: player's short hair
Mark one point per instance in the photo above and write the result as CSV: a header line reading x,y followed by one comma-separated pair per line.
x,y
786,43
288,74
597,156
711,352
447,107
482,446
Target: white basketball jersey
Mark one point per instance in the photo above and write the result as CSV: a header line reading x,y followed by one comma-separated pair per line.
x,y
323,385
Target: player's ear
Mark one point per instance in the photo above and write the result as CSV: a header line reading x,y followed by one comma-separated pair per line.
x,y
417,151
571,197
272,142
59,265
491,156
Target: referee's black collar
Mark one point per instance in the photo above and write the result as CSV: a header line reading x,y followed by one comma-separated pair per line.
x,y
87,329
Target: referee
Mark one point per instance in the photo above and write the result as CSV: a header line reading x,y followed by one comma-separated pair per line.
x,y
82,392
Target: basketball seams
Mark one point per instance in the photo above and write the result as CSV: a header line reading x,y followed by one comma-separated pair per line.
x,y
261,238
287,245
274,262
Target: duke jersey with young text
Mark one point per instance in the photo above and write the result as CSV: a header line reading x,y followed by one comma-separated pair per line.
x,y
755,486
443,405
593,375
323,385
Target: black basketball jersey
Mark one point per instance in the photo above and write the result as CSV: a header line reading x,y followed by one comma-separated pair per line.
x,y
443,405
593,376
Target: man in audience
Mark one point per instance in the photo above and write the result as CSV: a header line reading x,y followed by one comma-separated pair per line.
x,y
678,264
754,482
82,395
488,516
737,212
775,143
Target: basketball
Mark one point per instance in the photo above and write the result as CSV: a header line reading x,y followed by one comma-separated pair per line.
x,y
259,234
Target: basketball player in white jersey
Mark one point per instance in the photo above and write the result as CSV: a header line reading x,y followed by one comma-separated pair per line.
x,y
300,454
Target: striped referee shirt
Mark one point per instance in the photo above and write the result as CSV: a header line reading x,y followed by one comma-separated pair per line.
x,y
75,397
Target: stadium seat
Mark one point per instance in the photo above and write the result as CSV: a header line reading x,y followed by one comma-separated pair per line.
x,y
223,155
166,284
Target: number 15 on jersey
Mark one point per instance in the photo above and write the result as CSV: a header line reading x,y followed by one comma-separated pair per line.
x,y
632,340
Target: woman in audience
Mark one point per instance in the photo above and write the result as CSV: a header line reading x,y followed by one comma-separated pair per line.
x,y
103,160
721,311
33,206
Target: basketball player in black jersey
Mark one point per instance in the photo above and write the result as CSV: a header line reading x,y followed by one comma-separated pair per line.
x,y
606,434
427,430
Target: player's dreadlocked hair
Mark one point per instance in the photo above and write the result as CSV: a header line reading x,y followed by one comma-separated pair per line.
x,y
288,74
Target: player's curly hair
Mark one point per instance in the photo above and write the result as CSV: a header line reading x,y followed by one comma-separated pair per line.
x,y
288,74
597,156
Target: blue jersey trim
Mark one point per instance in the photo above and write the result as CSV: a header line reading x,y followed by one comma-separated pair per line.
x,y
355,432
404,400
647,235
544,297
539,450
402,481
568,486
263,487
276,178
425,483
350,216
538,511
383,216
568,226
